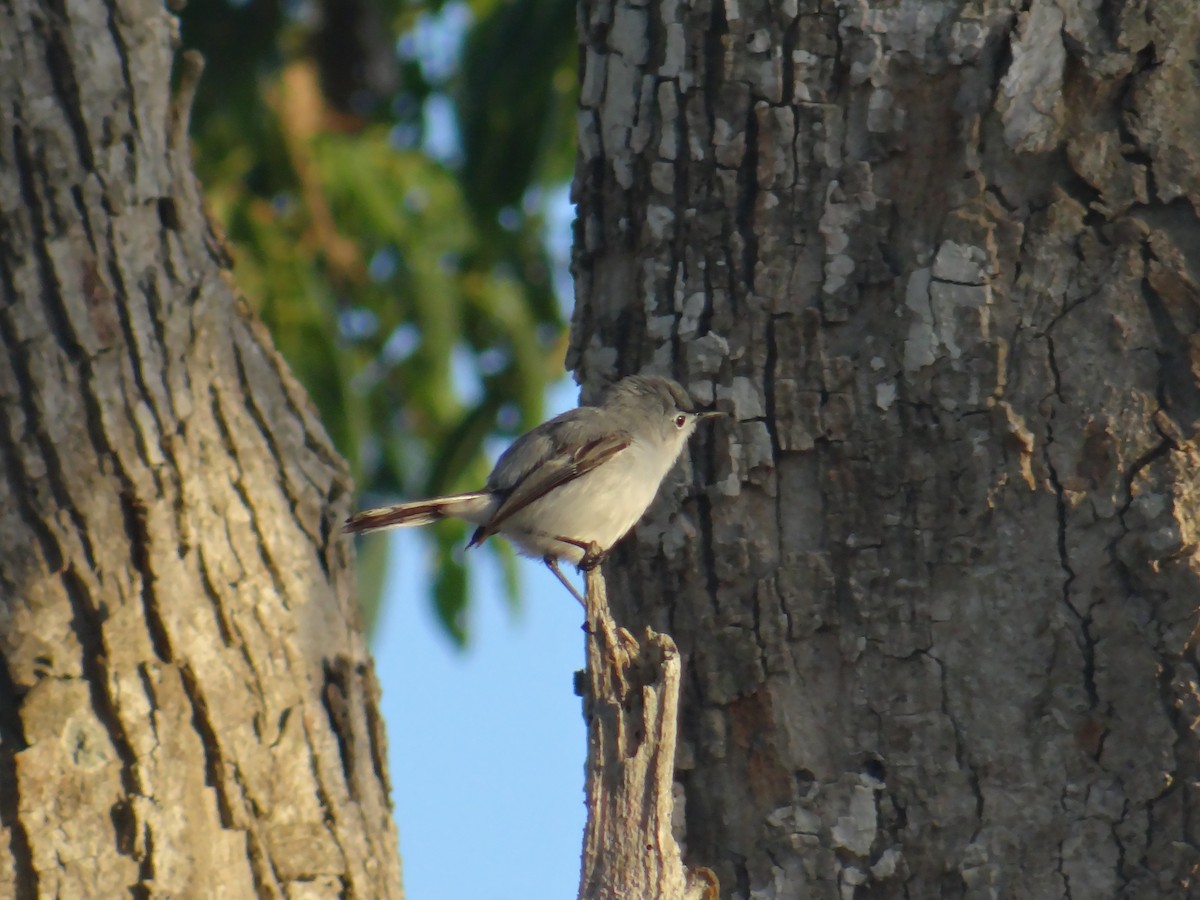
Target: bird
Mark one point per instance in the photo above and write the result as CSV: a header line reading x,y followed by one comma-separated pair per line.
x,y
572,487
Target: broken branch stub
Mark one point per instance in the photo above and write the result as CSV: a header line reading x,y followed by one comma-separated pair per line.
x,y
631,702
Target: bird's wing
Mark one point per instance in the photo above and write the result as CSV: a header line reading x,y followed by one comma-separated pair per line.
x,y
552,472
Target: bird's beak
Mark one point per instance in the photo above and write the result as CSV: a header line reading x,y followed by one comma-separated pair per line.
x,y
712,414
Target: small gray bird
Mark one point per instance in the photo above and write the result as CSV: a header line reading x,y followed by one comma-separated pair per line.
x,y
573,486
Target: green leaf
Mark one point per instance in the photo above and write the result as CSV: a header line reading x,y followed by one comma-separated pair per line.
x,y
450,584
385,277
514,107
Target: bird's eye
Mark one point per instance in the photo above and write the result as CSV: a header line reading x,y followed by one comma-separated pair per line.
x,y
680,420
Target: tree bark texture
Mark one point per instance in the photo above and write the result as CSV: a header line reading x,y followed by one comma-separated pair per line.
x,y
187,706
935,583
631,703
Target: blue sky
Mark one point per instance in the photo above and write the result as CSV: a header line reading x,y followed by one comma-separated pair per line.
x,y
486,745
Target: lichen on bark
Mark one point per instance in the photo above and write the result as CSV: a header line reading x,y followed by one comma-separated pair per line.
x,y
933,585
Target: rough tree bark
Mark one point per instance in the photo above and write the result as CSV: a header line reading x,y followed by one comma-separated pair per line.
x,y
631,703
187,707
935,585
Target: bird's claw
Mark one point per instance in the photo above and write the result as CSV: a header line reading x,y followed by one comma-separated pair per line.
x,y
593,553
592,557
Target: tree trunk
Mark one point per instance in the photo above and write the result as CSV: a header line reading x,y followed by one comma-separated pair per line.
x,y
934,585
187,706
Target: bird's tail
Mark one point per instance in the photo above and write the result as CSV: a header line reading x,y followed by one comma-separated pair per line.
x,y
472,506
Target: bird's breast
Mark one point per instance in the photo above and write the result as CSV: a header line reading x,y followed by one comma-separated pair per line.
x,y
600,506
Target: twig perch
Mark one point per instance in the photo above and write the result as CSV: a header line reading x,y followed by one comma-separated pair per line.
x,y
631,702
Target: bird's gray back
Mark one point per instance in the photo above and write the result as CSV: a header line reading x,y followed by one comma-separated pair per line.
x,y
647,400
572,429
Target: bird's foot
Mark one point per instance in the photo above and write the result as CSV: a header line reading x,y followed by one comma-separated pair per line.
x,y
593,553
592,557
